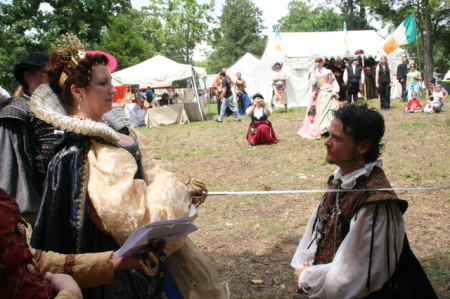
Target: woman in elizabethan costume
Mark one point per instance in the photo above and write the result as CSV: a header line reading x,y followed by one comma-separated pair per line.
x,y
323,101
260,130
279,78
103,182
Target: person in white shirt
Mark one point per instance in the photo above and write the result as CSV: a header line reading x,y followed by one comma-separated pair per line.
x,y
355,243
353,76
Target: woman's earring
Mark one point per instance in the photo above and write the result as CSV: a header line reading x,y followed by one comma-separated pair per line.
x,y
79,102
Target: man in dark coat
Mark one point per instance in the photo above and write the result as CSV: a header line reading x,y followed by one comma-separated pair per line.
x,y
353,76
26,142
402,71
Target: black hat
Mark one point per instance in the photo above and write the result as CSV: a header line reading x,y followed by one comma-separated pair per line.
x,y
257,95
33,61
354,58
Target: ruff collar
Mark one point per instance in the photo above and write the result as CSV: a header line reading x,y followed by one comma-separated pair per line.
x,y
45,105
349,180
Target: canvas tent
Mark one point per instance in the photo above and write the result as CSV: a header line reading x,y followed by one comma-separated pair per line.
x,y
297,51
162,71
247,66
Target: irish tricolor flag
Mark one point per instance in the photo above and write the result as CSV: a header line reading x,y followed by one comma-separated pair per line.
x,y
404,34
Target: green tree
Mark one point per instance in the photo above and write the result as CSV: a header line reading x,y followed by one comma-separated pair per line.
x,y
184,26
85,18
25,27
432,20
130,38
239,31
354,14
303,17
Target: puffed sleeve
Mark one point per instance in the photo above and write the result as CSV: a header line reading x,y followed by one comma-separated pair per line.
x,y
346,276
313,78
111,187
88,270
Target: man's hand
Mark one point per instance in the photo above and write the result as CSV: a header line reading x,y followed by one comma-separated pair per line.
x,y
297,276
64,282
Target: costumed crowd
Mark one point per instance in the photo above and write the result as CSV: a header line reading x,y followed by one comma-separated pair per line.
x,y
81,181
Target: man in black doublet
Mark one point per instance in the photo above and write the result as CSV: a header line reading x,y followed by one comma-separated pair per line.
x,y
26,142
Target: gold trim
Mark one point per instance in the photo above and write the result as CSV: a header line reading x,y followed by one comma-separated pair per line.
x,y
45,105
83,194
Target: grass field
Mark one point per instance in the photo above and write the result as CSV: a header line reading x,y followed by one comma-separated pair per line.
x,y
254,236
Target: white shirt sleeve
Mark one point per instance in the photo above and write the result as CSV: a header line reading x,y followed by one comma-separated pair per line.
x,y
345,76
4,94
346,275
335,85
362,76
313,78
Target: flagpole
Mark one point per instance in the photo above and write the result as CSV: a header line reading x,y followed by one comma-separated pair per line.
x,y
417,42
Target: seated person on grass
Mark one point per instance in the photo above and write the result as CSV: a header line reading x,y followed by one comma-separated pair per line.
x,y
414,104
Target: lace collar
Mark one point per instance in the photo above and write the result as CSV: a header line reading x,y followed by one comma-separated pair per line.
x,y
349,180
45,105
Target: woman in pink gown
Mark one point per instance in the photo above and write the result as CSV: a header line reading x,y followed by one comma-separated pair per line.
x,y
324,99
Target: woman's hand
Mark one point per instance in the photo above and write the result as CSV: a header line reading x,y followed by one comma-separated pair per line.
x,y
127,262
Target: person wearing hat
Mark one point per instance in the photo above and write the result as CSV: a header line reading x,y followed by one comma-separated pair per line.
x,y
322,103
279,78
353,76
260,130
25,141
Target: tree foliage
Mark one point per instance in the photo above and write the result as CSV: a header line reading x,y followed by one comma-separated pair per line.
x,y
432,21
130,38
303,17
239,31
184,26
25,27
354,14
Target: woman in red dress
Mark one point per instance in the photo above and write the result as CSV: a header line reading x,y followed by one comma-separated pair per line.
x,y
260,130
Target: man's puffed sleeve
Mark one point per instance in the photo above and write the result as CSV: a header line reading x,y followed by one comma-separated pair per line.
x,y
346,276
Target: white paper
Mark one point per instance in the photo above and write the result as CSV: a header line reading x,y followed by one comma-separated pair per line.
x,y
168,230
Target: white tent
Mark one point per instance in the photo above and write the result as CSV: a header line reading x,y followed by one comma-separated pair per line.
x,y
247,66
160,70
297,51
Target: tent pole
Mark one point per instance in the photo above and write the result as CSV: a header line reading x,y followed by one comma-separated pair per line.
x,y
194,86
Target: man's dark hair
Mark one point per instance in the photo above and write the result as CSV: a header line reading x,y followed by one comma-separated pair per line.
x,y
222,73
363,124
